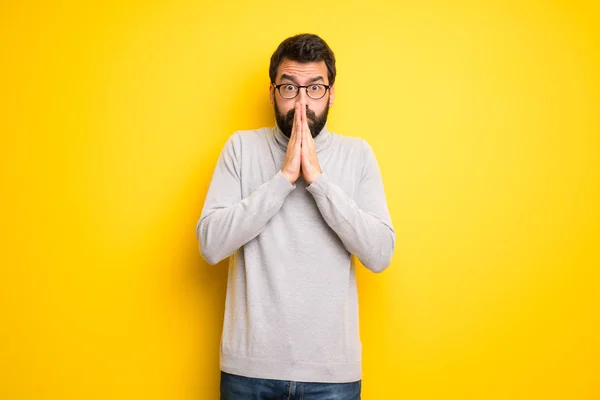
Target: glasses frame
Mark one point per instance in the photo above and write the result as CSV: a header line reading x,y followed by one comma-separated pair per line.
x,y
300,87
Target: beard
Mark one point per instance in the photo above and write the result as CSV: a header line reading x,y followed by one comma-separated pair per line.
x,y
315,122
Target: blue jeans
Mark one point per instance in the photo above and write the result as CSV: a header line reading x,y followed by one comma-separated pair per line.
x,y
235,387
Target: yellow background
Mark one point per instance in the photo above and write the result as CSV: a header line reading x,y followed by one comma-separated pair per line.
x,y
484,117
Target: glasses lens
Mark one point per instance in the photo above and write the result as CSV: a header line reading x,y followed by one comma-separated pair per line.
x,y
316,91
288,91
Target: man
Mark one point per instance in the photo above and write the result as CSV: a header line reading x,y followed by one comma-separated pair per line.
x,y
290,204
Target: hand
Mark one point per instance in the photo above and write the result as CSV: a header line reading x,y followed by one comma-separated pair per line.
x,y
311,169
293,155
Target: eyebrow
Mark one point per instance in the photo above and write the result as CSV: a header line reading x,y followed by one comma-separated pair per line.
x,y
311,80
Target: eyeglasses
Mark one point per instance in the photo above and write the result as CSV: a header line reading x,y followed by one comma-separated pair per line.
x,y
315,91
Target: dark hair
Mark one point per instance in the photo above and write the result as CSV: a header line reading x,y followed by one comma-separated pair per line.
x,y
303,48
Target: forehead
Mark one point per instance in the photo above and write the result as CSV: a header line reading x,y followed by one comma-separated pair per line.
x,y
302,71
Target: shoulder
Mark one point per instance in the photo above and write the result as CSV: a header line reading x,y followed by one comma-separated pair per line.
x,y
352,144
250,136
242,139
357,149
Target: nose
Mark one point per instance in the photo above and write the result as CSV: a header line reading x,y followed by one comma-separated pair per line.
x,y
302,97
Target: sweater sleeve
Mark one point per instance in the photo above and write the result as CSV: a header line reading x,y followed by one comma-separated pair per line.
x,y
229,221
364,226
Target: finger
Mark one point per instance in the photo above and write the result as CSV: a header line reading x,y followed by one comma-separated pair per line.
x,y
304,118
304,156
301,124
298,125
306,148
308,139
295,122
302,134
295,125
305,128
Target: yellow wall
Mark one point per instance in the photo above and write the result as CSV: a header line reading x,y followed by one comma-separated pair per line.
x,y
485,121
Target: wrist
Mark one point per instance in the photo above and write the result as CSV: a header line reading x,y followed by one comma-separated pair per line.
x,y
314,177
289,178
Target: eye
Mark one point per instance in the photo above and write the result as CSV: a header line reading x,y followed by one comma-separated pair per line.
x,y
289,88
315,88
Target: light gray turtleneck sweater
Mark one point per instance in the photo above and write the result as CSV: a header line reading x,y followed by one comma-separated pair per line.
x,y
291,310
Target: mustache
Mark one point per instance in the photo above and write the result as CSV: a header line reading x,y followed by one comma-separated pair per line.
x,y
309,114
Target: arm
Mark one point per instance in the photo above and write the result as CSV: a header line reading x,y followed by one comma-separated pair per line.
x,y
228,221
364,225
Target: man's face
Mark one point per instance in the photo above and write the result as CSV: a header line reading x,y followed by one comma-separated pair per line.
x,y
316,110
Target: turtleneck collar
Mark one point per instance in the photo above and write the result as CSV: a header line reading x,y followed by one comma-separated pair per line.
x,y
322,140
